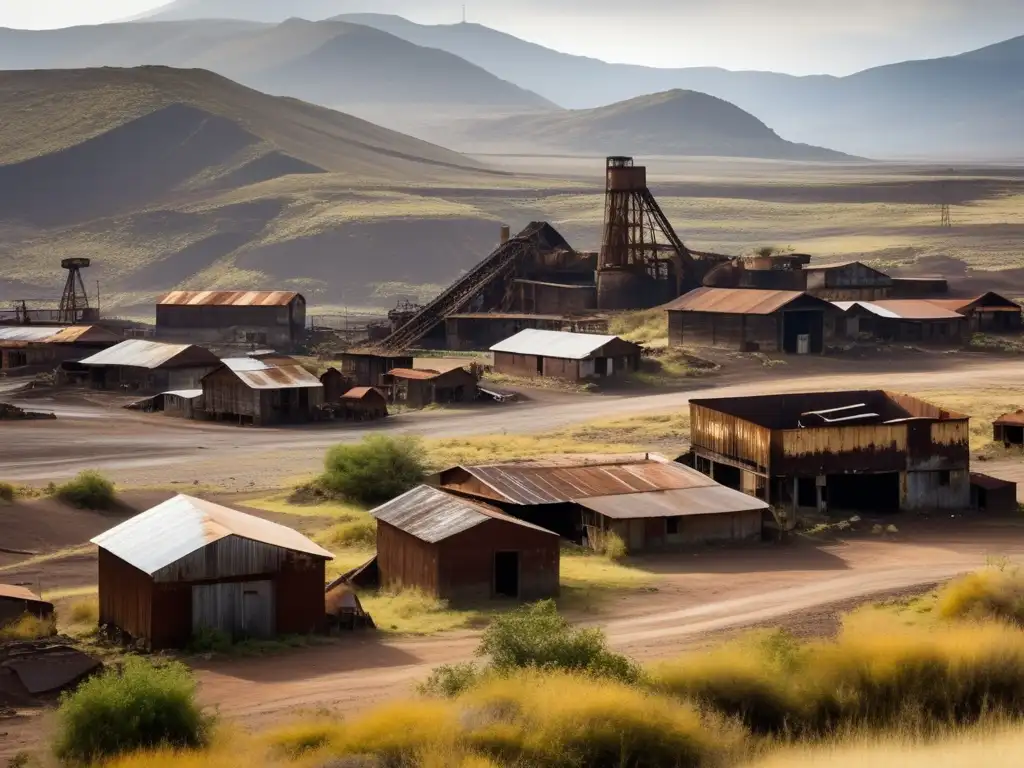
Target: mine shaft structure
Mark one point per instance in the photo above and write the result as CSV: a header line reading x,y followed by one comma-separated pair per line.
x,y
74,302
643,262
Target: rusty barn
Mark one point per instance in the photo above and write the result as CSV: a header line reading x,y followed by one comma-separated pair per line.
x,y
559,355
458,549
1008,429
366,368
988,313
35,346
749,320
649,502
907,321
189,565
262,392
336,384
421,387
856,451
275,318
364,404
16,602
150,366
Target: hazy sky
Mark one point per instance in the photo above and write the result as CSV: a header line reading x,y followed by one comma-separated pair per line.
x,y
798,36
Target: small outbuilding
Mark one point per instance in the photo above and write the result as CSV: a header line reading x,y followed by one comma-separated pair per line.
x,y
992,495
364,404
561,355
420,387
1008,429
366,368
336,384
749,320
27,346
181,404
17,602
988,313
912,321
150,366
457,549
190,565
262,392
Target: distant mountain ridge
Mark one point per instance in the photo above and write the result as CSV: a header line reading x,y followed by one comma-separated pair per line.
x,y
676,122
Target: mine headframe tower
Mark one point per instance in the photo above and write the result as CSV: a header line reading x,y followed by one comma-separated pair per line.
x,y
643,263
74,303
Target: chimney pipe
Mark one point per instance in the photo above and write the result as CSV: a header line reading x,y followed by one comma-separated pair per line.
x,y
506,233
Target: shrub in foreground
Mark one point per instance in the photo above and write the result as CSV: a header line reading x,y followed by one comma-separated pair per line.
x,y
374,471
7,492
139,706
995,593
88,490
28,627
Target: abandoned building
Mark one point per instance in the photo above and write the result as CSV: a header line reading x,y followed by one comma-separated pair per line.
x,y
988,313
457,549
570,356
749,320
848,281
857,451
262,392
364,404
993,495
366,368
336,384
16,602
418,388
190,565
649,502
274,318
919,287
1008,429
911,321
181,404
29,346
150,366
479,332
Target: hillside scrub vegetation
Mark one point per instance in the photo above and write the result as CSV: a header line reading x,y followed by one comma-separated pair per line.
x,y
995,593
141,705
88,490
374,471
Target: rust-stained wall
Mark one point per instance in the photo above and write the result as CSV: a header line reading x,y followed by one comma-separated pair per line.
x,y
229,323
830,450
405,561
126,597
935,490
300,603
730,437
225,395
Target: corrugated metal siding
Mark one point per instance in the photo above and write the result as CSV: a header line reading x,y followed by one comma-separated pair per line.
x,y
730,436
301,603
227,558
405,561
229,298
927,491
125,597
224,394
800,443
562,344
240,609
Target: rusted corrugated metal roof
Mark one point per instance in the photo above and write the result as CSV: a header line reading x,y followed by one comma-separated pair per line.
x,y
559,344
12,592
1012,419
283,377
420,374
358,393
432,515
41,334
180,526
526,485
712,499
228,298
139,353
990,301
734,301
902,309
990,483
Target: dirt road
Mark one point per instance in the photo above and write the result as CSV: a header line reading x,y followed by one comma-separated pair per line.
x,y
137,449
728,590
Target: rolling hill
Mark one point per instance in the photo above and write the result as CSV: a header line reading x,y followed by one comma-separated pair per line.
x,y
675,122
333,63
170,177
969,106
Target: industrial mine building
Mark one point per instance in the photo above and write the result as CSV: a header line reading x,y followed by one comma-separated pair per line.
x,y
857,451
567,356
274,318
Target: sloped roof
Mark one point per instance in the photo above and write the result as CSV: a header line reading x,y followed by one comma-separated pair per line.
x,y
418,374
358,393
560,344
1012,419
180,526
228,298
902,309
990,300
12,592
140,353
432,515
712,499
279,377
43,334
738,301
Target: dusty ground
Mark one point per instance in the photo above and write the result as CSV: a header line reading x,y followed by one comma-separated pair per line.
x,y
154,451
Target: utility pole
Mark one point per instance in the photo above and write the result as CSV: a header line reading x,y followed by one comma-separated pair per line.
x,y
946,221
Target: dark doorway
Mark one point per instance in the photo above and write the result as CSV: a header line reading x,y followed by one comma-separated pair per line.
x,y
1013,435
797,324
601,366
730,477
878,493
807,492
540,366
506,574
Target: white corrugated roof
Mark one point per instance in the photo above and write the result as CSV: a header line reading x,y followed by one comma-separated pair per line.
x,y
560,344
238,364
140,353
180,526
185,394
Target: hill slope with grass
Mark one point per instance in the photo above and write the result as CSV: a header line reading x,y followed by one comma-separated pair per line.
x,y
670,123
168,177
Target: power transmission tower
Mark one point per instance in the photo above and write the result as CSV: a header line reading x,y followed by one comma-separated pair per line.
x,y
947,221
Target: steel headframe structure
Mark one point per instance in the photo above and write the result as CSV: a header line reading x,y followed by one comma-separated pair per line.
x,y
75,301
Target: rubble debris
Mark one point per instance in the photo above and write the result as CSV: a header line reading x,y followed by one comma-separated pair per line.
x,y
33,671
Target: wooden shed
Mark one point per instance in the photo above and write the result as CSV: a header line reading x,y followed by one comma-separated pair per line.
x,y
150,366
366,368
364,404
16,602
27,346
911,321
749,320
336,384
189,565
562,355
420,387
262,392
988,313
457,549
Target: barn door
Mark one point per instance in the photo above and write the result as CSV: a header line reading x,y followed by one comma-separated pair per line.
x,y
258,609
238,609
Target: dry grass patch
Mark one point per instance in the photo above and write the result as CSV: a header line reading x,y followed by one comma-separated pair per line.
x,y
491,449
983,406
642,429
410,611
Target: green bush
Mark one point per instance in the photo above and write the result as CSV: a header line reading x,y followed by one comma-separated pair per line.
x,y
450,680
536,636
7,492
207,640
613,547
139,706
88,490
374,471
